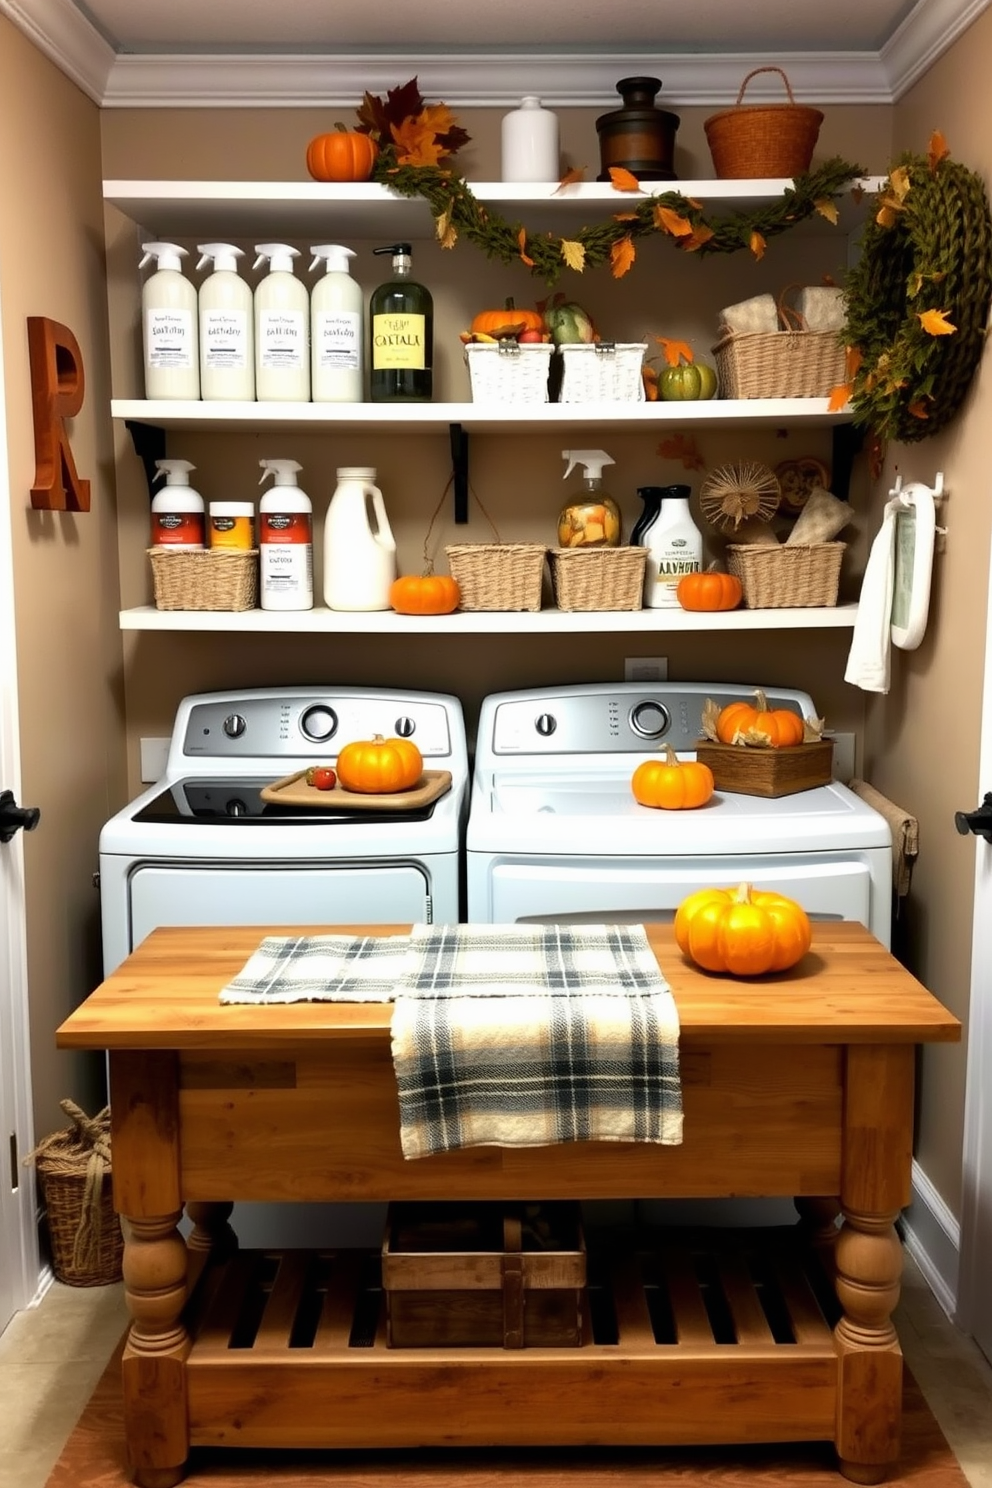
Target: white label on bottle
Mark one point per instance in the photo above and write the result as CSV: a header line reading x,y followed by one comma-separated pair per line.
x,y
282,339
339,338
170,339
674,563
224,339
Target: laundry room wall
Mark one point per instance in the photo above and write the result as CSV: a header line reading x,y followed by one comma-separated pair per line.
x,y
72,738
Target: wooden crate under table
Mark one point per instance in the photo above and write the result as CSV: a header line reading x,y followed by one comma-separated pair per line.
x,y
484,1275
754,771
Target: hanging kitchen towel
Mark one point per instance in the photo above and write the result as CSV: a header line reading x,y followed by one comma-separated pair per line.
x,y
905,831
321,968
868,659
531,1035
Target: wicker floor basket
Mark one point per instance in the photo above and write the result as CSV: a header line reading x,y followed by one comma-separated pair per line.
x,y
761,140
779,364
598,578
508,373
787,575
75,1176
498,576
603,372
211,579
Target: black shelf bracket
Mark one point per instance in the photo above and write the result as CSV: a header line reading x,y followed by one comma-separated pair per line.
x,y
459,470
149,446
847,441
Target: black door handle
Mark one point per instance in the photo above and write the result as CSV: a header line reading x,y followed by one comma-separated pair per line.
x,y
978,821
14,817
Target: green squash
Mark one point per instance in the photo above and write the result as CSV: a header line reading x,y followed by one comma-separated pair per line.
x,y
688,382
569,324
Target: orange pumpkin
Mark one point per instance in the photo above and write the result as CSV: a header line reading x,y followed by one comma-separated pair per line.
x,y
672,784
424,594
743,931
709,591
378,766
344,155
756,723
507,322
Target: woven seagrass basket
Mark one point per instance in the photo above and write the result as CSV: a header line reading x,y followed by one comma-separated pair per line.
x,y
763,139
787,575
793,362
602,372
507,372
75,1175
498,576
598,578
211,579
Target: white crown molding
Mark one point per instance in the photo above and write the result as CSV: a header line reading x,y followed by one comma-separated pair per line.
x,y
465,80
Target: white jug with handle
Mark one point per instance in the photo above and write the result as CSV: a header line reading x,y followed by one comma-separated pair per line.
x,y
359,547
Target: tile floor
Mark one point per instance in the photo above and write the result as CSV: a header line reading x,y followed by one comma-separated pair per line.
x,y
52,1356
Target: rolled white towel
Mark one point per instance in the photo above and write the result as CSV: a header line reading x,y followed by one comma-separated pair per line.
x,y
822,307
757,314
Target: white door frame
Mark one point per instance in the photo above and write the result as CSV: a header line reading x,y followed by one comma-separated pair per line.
x,y
19,1257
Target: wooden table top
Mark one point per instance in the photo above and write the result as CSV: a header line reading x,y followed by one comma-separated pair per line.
x,y
847,989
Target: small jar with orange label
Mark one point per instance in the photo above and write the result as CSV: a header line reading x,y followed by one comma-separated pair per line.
x,y
231,524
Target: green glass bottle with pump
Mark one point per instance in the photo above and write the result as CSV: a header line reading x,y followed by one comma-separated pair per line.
x,y
401,335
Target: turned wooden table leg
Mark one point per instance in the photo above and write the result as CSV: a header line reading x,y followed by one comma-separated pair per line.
x,y
818,1217
154,1366
211,1231
875,1186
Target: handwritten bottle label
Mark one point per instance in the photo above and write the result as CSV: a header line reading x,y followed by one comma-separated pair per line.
x,y
224,336
282,339
399,341
170,340
337,340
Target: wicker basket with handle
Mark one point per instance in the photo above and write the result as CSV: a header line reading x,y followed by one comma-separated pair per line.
x,y
791,363
75,1175
763,139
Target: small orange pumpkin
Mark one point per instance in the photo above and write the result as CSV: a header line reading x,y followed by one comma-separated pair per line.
x,y
672,784
424,594
378,766
508,321
709,591
743,931
756,723
344,155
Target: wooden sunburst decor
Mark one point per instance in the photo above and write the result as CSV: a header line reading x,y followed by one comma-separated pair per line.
x,y
740,493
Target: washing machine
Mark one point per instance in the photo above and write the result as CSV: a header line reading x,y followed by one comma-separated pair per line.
x,y
554,832
202,847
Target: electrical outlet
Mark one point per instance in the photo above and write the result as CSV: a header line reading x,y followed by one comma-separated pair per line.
x,y
154,754
645,668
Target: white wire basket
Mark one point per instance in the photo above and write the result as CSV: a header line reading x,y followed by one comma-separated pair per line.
x,y
603,372
505,372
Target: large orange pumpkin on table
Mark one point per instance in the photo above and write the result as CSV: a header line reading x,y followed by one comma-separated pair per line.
x,y
672,784
343,155
759,724
379,766
743,931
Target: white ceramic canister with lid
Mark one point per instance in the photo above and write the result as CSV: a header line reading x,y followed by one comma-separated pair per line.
x,y
359,547
530,143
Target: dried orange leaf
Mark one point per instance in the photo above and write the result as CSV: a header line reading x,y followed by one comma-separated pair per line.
x,y
827,208
671,222
622,255
938,150
624,216
574,254
522,245
416,143
757,245
700,234
936,323
899,182
674,350
623,180
887,215
682,447
839,396
853,358
918,409
447,232
571,176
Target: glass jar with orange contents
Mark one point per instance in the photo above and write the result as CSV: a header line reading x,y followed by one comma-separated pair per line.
x,y
591,519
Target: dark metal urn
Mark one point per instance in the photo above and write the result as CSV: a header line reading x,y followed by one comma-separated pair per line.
x,y
639,137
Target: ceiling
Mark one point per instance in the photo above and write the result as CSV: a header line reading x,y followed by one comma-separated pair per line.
x,y
229,53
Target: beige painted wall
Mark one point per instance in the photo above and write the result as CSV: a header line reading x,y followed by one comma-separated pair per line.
x,y
65,564
937,690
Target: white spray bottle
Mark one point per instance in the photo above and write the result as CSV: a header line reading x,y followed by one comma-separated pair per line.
x,y
285,540
336,336
177,510
227,332
282,328
591,518
168,325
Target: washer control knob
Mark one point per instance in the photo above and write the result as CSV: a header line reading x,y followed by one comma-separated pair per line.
x,y
234,725
404,727
545,723
319,723
650,719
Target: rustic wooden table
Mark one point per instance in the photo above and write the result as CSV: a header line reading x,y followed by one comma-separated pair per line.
x,y
798,1085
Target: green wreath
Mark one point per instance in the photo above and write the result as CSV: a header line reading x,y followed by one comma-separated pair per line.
x,y
918,298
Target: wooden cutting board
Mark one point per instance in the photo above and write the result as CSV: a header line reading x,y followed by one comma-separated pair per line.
x,y
292,790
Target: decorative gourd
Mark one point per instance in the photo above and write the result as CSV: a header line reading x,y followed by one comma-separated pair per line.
x,y
672,784
507,322
743,931
569,324
378,765
756,723
424,594
688,382
711,590
344,155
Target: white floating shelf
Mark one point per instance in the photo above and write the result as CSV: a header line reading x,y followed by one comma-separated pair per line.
x,y
320,621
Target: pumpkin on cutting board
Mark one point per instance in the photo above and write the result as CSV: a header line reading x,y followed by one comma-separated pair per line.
x,y
379,766
743,931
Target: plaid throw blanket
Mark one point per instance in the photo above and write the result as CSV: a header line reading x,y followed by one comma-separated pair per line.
x,y
502,1035
529,1035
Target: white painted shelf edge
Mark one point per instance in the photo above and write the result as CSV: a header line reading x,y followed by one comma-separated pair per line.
x,y
319,621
